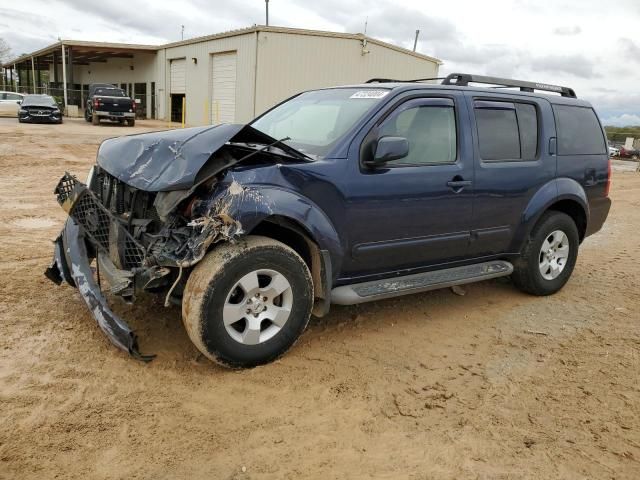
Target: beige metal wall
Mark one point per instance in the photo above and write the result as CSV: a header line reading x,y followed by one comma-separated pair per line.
x,y
291,62
198,77
285,64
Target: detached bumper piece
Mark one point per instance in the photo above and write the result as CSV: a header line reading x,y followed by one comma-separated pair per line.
x,y
89,220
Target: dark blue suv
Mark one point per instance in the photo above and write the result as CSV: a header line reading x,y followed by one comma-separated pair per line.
x,y
341,195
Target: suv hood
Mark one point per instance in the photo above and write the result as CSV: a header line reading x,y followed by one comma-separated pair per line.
x,y
171,159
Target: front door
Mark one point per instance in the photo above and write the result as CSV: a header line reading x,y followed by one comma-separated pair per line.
x,y
416,211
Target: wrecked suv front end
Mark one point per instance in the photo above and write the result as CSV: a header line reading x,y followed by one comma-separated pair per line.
x,y
145,218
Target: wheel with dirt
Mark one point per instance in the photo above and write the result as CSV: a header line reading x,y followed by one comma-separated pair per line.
x,y
245,304
132,122
549,256
95,119
87,115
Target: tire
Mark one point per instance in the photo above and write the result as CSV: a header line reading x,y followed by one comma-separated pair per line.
x,y
219,290
527,274
131,122
87,115
634,157
95,119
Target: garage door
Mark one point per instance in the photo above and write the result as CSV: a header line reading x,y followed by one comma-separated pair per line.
x,y
178,78
223,94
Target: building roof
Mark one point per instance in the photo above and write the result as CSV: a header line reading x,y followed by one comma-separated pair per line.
x,y
88,51
84,51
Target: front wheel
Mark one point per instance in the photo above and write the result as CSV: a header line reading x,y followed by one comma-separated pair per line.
x,y
246,303
132,122
549,255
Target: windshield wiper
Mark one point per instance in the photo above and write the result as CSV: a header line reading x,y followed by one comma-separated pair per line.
x,y
285,148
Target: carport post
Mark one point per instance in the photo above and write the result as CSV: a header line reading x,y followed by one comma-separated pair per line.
x,y
33,76
64,80
17,76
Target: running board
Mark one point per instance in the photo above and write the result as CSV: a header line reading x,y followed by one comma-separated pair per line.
x,y
420,282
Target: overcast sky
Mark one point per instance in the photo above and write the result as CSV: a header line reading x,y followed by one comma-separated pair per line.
x,y
590,45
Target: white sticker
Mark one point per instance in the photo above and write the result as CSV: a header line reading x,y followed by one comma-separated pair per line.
x,y
370,94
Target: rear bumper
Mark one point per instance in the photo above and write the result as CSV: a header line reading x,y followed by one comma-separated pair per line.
x,y
71,264
598,212
114,115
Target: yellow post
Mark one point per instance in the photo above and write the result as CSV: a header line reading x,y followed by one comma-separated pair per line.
x,y
184,106
169,115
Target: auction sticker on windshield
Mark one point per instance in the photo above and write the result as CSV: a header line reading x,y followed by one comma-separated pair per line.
x,y
370,94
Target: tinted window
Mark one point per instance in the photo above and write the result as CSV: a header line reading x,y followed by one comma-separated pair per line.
x,y
430,130
579,132
38,100
528,126
498,134
110,92
507,131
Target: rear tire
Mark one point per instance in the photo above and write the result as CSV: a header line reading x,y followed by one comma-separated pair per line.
x,y
245,304
132,122
95,119
87,115
549,255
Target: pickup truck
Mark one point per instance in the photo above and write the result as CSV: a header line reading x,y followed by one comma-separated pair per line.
x,y
337,196
106,102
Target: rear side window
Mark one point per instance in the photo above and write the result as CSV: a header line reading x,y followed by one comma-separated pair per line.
x,y
507,131
579,132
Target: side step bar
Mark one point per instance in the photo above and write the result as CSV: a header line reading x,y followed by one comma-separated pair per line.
x,y
420,282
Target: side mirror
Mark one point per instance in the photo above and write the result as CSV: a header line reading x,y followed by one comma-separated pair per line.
x,y
19,102
388,149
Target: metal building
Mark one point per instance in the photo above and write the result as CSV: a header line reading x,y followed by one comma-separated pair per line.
x,y
227,77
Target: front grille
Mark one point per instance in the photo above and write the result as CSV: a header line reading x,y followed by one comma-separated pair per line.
x,y
103,229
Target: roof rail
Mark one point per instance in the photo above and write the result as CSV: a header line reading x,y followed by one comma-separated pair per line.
x,y
463,80
392,80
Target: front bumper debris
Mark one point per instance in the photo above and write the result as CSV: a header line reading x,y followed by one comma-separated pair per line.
x,y
71,263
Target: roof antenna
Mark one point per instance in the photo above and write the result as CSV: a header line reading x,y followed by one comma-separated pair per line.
x,y
266,4
182,33
415,42
365,25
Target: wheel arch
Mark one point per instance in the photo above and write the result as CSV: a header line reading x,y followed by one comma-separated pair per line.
x,y
561,194
291,232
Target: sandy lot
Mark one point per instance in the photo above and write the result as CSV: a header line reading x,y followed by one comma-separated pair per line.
x,y
493,384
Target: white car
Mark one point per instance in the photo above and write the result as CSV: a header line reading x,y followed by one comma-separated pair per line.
x,y
614,151
10,103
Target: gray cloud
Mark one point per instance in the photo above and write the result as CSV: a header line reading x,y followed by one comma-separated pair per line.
x,y
630,49
577,65
567,31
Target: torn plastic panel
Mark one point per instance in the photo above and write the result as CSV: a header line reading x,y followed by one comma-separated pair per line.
x,y
114,327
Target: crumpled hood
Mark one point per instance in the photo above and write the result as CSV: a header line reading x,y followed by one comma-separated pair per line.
x,y
167,160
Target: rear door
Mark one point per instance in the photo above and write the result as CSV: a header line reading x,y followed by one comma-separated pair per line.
x,y
512,140
416,211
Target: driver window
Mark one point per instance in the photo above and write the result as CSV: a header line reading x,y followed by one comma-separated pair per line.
x,y
430,130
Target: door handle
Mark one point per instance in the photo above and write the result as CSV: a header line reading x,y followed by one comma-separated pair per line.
x,y
458,184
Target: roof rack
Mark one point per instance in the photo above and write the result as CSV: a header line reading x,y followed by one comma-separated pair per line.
x,y
463,80
392,80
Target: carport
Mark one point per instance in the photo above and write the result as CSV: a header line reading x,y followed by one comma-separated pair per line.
x,y
66,68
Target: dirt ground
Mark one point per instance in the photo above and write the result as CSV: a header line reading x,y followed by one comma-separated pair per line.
x,y
494,384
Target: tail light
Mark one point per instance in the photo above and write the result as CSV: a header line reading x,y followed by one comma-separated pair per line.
x,y
133,105
607,187
96,103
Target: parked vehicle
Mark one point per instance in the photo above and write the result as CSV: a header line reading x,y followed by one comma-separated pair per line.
x,y
341,195
106,102
39,109
10,103
629,153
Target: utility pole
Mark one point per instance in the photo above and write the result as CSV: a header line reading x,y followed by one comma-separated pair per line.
x,y
182,33
415,42
266,4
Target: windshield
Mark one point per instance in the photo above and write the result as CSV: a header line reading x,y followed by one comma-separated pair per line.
x,y
38,100
315,120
